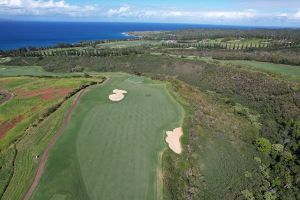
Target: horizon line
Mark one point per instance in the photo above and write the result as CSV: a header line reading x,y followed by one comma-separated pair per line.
x,y
146,22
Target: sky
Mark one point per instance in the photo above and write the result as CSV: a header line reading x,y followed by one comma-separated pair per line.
x,y
284,13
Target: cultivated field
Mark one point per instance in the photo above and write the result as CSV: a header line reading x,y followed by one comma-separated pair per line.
x,y
111,150
27,102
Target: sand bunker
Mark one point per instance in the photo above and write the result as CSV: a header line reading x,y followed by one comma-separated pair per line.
x,y
117,95
173,139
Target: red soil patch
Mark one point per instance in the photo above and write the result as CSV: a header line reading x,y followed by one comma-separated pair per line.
x,y
6,126
46,94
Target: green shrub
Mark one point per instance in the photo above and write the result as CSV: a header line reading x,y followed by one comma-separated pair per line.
x,y
248,195
263,145
269,196
278,147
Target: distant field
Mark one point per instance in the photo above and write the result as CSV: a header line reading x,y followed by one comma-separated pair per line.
x,y
111,150
122,44
29,71
288,70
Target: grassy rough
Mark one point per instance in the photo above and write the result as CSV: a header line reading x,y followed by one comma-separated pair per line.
x,y
213,147
31,145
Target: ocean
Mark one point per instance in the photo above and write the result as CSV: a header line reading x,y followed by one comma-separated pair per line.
x,y
41,34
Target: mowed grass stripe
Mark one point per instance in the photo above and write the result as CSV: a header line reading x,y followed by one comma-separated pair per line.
x,y
111,150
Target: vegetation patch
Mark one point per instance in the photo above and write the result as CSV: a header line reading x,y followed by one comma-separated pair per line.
x,y
30,94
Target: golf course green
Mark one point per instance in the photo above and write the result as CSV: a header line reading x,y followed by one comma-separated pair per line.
x,y
111,150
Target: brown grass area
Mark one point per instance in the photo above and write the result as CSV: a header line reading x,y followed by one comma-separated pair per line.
x,y
7,126
46,94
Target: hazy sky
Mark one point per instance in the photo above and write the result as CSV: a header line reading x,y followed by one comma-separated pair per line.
x,y
232,12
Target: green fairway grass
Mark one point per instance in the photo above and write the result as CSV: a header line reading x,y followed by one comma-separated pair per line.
x,y
7,71
22,71
286,70
110,150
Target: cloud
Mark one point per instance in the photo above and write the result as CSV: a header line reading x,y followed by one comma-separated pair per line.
x,y
121,11
39,7
247,16
65,10
297,15
33,4
127,11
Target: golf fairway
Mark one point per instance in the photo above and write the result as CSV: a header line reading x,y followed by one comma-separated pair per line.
x,y
111,150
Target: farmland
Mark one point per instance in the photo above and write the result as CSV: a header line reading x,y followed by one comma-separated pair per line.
x,y
30,94
32,100
131,131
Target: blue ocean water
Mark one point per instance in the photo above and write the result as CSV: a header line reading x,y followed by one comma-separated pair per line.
x,y
40,34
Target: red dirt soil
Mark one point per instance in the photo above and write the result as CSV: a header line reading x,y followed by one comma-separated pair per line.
x,y
46,94
7,126
52,142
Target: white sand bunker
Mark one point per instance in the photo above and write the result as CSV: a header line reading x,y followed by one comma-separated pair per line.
x,y
173,140
117,95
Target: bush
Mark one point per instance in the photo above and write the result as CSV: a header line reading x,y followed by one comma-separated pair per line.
x,y
248,195
278,147
263,145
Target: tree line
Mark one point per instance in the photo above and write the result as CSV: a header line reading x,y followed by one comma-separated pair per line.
x,y
229,45
24,52
292,35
